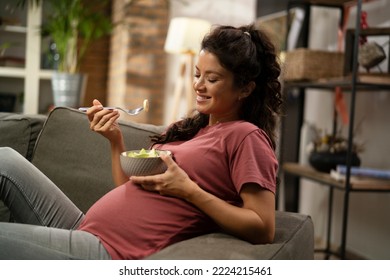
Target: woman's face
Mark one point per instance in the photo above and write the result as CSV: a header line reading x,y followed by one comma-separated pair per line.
x,y
215,92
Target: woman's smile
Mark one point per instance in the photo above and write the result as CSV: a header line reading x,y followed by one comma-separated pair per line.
x,y
202,98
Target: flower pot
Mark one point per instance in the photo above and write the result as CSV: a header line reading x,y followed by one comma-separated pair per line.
x,y
326,161
68,89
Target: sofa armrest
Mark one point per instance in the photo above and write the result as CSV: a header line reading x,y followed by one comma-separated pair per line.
x,y
294,240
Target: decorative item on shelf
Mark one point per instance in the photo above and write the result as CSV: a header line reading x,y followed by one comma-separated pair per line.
x,y
370,54
328,151
72,25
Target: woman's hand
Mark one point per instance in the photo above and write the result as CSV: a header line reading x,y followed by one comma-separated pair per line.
x,y
174,182
104,121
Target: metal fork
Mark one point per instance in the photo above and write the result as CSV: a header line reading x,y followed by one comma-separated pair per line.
x,y
131,112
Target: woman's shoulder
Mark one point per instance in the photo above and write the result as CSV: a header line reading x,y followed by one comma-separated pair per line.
x,y
241,130
241,127
238,129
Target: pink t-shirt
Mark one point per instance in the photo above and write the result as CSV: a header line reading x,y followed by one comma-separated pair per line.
x,y
133,223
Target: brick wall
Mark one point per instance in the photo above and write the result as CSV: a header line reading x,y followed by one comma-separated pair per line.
x,y
137,58
95,64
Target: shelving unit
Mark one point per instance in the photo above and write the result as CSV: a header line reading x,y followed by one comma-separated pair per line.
x,y
354,82
29,79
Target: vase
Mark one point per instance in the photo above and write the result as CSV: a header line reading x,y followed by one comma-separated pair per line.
x,y
68,89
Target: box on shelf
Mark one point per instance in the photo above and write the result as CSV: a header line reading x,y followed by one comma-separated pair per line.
x,y
304,64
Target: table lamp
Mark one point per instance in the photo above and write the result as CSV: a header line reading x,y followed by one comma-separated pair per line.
x,y
184,38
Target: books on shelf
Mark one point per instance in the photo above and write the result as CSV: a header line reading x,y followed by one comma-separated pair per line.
x,y
364,172
375,78
361,177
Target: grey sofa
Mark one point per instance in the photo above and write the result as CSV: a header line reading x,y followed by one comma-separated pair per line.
x,y
63,147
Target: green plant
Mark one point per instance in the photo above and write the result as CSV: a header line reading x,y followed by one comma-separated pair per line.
x,y
69,21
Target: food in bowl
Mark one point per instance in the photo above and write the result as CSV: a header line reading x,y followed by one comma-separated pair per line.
x,y
143,153
143,162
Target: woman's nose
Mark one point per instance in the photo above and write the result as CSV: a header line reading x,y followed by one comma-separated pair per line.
x,y
198,84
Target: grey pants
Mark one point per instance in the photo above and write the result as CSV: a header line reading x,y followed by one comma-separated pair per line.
x,y
45,220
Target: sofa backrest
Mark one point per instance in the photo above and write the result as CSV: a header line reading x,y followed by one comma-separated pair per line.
x,y
77,159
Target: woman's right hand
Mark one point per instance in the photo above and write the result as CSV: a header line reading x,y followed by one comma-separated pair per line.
x,y
104,122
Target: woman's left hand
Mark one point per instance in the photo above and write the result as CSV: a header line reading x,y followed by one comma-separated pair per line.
x,y
173,182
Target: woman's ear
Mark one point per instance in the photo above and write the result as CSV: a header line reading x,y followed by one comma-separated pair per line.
x,y
247,90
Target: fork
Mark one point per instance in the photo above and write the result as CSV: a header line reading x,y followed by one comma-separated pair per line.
x,y
131,112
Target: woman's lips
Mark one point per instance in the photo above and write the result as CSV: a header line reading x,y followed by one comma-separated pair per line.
x,y
201,98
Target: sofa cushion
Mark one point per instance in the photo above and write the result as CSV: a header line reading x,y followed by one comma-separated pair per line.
x,y
77,159
20,132
294,239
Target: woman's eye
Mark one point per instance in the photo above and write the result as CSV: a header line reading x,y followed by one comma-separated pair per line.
x,y
212,80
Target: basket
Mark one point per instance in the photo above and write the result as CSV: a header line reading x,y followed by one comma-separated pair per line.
x,y
304,64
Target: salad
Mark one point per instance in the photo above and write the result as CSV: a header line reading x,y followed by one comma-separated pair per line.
x,y
143,154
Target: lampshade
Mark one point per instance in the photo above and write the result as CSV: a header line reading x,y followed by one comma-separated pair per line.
x,y
185,35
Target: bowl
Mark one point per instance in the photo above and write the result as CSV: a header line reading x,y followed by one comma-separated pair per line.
x,y
143,162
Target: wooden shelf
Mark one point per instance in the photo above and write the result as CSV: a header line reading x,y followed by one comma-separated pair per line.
x,y
364,82
329,3
356,183
14,28
12,72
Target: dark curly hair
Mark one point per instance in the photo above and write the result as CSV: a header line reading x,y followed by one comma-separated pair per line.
x,y
249,54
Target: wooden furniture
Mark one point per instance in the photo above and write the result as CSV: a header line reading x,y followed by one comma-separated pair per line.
x,y
29,81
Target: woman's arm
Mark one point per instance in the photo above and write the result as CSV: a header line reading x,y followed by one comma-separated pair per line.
x,y
117,172
105,123
253,222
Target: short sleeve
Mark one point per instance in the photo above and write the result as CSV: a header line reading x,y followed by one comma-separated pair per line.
x,y
254,161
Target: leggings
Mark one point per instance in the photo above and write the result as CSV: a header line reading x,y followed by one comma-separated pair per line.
x,y
45,220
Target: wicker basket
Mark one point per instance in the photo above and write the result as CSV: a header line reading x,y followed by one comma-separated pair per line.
x,y
303,64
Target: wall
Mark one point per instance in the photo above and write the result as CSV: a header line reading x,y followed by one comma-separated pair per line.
x,y
368,228
137,58
95,63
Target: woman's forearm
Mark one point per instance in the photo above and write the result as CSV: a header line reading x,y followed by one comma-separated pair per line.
x,y
241,222
117,173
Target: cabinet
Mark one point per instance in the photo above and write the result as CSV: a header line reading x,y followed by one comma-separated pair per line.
x,y
353,84
21,75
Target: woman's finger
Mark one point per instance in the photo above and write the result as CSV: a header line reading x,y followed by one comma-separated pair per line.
x,y
168,160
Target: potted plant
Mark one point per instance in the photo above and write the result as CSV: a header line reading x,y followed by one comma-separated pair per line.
x,y
326,151
72,26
